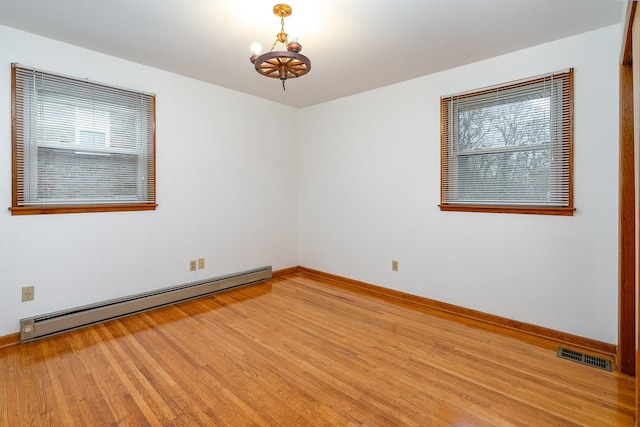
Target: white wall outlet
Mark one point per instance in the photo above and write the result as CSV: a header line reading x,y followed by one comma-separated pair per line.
x,y
28,293
394,265
192,265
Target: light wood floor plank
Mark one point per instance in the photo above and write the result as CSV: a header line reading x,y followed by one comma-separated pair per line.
x,y
303,350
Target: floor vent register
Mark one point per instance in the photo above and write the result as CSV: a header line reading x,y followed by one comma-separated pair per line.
x,y
585,359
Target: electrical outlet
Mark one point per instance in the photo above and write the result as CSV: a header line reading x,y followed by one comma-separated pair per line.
x,y
28,293
200,263
192,265
394,265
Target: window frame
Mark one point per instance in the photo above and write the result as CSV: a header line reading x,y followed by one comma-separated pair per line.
x,y
20,176
446,138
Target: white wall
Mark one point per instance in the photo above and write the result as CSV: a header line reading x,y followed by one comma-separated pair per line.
x,y
227,188
361,185
370,188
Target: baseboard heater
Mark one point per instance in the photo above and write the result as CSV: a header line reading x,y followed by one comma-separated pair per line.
x,y
45,325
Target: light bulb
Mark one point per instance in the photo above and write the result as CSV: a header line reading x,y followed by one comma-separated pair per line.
x,y
256,48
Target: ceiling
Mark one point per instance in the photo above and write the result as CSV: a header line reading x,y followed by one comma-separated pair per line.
x,y
354,45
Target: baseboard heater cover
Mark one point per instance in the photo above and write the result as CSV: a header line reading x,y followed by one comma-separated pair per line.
x,y
33,328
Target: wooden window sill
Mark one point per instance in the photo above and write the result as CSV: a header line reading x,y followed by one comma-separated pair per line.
x,y
39,210
509,209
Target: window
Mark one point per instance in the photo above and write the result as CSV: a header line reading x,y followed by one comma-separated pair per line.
x,y
80,146
509,148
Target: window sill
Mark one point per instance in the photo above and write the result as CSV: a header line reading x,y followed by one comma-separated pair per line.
x,y
509,209
39,210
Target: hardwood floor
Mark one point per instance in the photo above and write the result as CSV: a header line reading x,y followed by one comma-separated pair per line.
x,y
300,351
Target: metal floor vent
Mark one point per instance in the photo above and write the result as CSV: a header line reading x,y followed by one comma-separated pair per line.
x,y
585,359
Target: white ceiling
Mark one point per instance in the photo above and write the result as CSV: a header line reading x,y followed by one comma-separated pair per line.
x,y
354,45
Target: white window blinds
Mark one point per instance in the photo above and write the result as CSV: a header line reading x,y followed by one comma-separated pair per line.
x,y
81,143
509,145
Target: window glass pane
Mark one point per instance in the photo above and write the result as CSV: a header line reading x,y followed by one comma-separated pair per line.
x,y
122,120
523,122
505,178
55,119
92,138
81,176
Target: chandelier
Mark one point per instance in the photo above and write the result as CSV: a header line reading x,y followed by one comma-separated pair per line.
x,y
281,64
